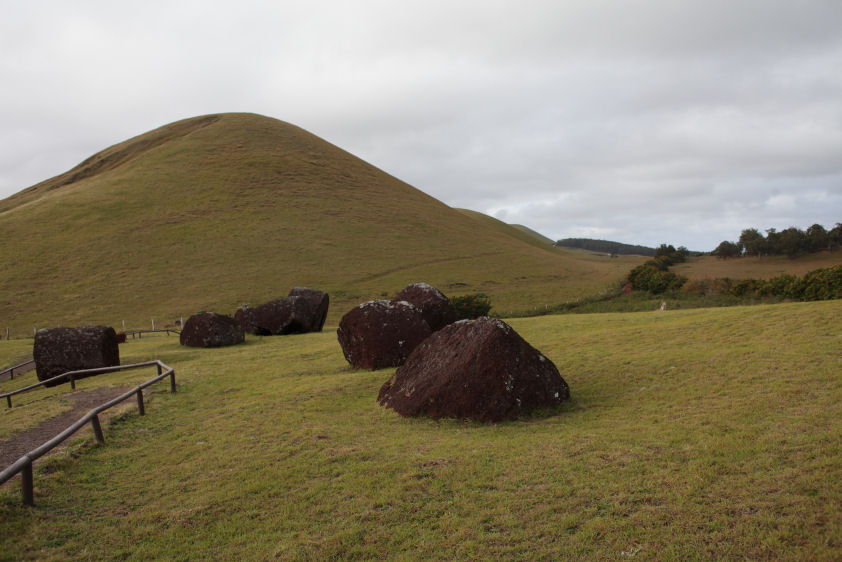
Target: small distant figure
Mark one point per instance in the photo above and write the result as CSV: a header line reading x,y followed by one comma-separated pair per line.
x,y
663,305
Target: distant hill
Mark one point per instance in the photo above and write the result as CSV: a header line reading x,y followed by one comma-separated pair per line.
x,y
606,247
514,230
537,235
216,211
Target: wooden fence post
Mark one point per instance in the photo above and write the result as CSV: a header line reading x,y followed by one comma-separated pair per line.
x,y
97,429
26,485
140,408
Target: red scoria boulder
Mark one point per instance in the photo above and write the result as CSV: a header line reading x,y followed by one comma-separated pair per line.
x,y
208,329
379,334
481,370
314,304
435,307
59,350
287,315
245,317
304,310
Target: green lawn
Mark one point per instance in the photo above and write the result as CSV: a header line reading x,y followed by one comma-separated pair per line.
x,y
697,434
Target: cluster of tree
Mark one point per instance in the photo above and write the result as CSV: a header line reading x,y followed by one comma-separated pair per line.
x,y
606,247
667,255
790,242
654,275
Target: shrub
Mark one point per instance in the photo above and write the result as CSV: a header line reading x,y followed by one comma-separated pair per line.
x,y
745,287
708,287
823,284
648,277
780,286
472,306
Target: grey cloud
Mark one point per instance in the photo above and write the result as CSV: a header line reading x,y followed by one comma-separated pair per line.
x,y
651,120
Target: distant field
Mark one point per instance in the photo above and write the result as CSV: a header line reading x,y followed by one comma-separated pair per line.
x,y
700,434
709,267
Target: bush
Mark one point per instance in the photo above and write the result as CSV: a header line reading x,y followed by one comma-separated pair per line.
x,y
816,285
648,277
745,287
782,286
823,284
472,306
708,287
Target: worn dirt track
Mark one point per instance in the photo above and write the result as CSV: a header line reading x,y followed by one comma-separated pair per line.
x,y
17,446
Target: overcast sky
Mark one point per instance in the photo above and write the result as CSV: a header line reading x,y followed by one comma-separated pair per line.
x,y
642,121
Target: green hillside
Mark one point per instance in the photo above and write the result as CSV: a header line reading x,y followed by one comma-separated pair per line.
x,y
534,234
516,231
216,211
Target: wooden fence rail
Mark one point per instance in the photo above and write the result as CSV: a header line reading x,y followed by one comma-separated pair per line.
x,y
139,333
20,368
24,464
72,376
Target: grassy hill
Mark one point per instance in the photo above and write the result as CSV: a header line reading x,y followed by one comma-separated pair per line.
x,y
216,211
534,234
702,434
514,230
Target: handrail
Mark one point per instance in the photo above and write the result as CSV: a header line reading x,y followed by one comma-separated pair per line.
x,y
24,464
11,370
139,333
72,375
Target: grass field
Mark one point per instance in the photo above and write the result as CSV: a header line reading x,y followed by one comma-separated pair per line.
x,y
709,267
698,434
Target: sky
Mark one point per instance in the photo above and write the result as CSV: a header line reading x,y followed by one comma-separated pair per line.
x,y
641,121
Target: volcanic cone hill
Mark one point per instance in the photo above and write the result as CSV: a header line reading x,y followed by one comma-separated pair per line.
x,y
215,211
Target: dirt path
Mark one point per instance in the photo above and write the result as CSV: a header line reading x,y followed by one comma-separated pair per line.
x,y
7,376
14,448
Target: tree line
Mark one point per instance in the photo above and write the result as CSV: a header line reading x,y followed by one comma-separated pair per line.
x,y
606,247
791,242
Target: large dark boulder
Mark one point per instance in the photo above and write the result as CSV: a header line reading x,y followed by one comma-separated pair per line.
x,y
379,334
435,307
279,317
481,370
315,304
59,350
208,329
304,310
245,317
